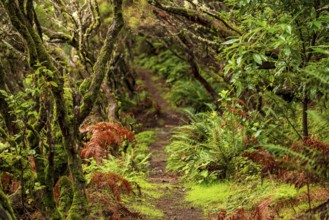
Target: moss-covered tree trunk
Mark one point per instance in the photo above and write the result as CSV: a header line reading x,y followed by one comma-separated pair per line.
x,y
4,108
68,120
6,211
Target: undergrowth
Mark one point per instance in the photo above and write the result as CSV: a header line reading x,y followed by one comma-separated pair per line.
x,y
230,196
169,66
132,163
117,183
205,149
184,90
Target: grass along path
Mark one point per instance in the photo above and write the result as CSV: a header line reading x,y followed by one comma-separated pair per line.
x,y
172,201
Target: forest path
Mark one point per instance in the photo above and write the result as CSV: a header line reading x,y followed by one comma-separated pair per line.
x,y
172,202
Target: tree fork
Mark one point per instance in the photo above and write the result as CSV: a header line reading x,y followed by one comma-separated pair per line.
x,y
100,69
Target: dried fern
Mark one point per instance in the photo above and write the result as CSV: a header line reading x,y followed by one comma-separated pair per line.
x,y
239,214
263,211
105,196
106,137
114,182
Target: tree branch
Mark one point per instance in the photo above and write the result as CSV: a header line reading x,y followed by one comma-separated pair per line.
x,y
100,66
202,19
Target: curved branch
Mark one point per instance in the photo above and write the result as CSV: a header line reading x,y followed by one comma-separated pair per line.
x,y
205,19
100,66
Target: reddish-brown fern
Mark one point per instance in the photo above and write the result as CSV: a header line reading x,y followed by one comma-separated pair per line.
x,y
265,159
239,214
105,194
115,183
221,214
316,144
8,183
263,211
105,135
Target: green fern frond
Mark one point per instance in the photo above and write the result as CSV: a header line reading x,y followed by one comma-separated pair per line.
x,y
279,148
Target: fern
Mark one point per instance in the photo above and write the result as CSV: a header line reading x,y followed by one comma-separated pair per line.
x,y
169,66
204,149
105,135
305,162
189,93
319,72
319,124
263,210
115,183
105,193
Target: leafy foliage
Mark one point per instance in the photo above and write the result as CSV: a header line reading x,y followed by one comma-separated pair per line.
x,y
189,94
204,149
131,164
167,64
116,177
184,90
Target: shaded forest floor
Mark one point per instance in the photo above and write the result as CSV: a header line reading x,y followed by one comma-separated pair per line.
x,y
171,202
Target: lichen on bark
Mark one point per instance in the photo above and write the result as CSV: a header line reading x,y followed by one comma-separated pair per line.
x,y
65,195
6,211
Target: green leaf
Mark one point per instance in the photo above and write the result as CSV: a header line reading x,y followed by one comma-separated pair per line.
x,y
239,61
49,73
288,29
28,81
287,52
320,50
204,173
54,84
257,58
4,93
230,41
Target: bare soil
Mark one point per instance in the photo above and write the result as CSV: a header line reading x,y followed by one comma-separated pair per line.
x,y
172,203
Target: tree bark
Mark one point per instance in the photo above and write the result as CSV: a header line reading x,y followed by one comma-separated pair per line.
x,y
305,116
208,20
6,211
4,108
89,98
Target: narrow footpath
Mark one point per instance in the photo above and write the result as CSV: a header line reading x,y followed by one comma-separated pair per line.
x,y
172,203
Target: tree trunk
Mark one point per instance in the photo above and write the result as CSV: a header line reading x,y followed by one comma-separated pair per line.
x,y
6,211
304,113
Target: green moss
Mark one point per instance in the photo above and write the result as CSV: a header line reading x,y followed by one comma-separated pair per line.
x,y
209,196
284,191
66,194
150,190
231,196
78,209
79,206
145,204
6,211
148,210
83,88
29,178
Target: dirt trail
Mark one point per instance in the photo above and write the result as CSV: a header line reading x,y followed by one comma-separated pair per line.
x,y
172,202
